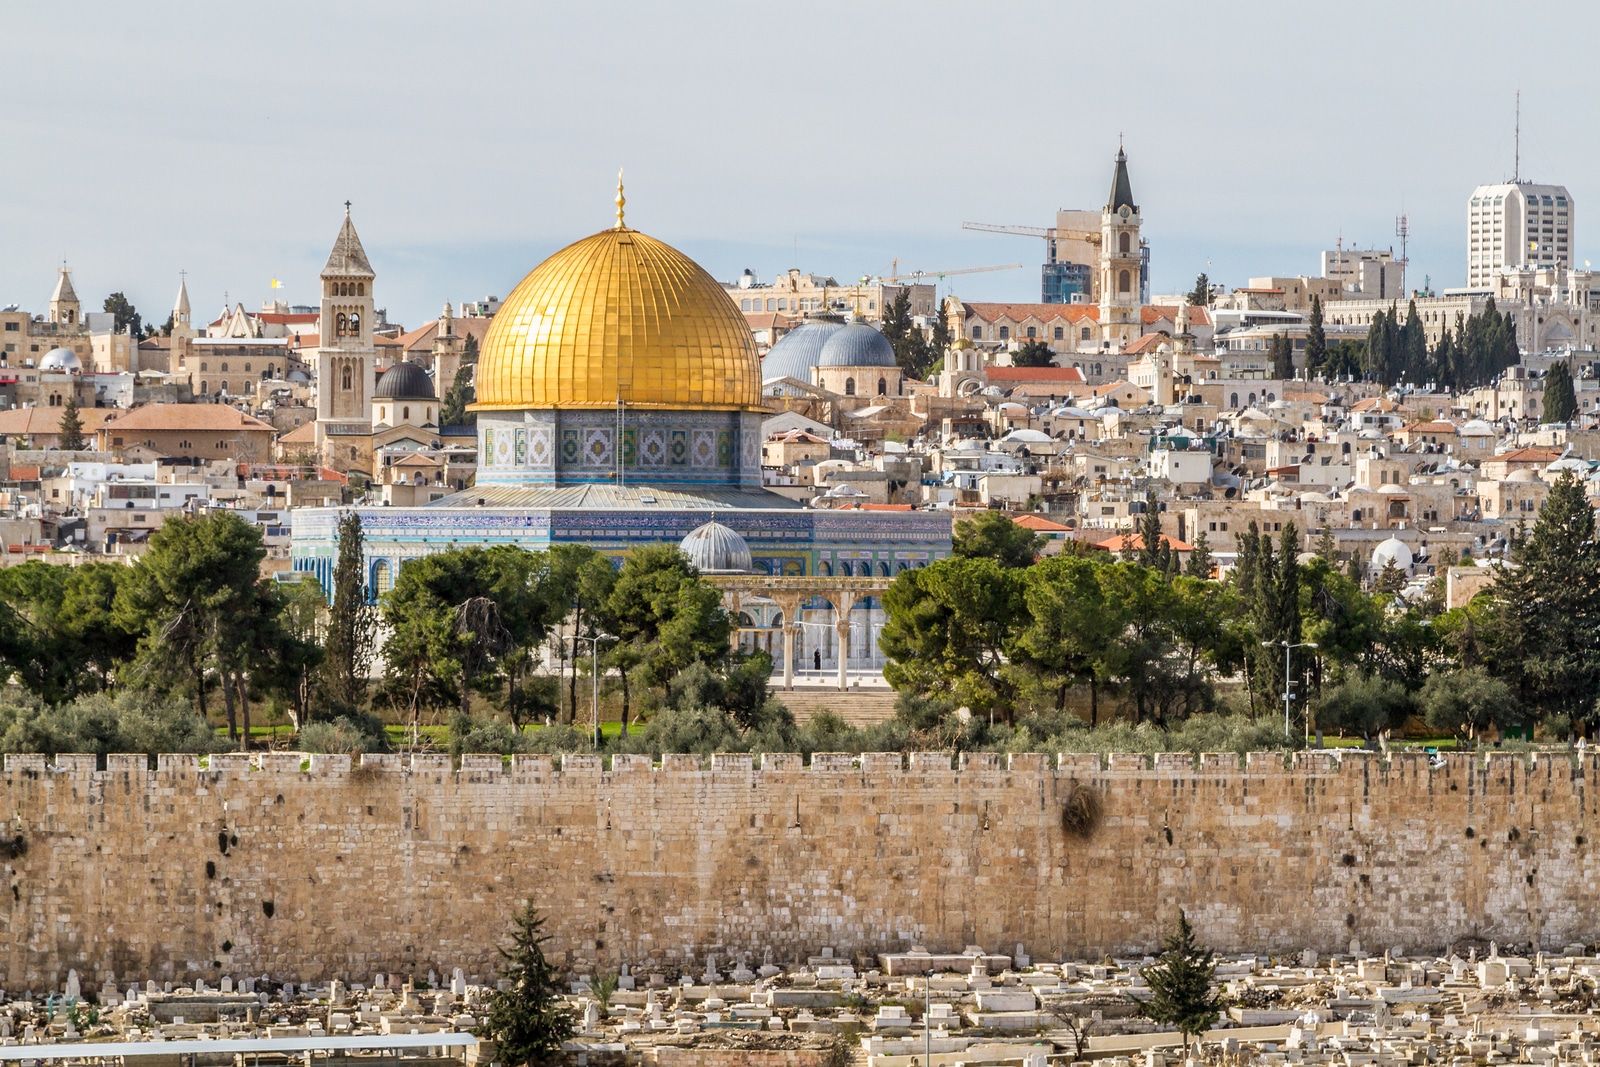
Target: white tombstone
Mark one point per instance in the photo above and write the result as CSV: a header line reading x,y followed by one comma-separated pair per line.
x,y
591,1016
433,979
227,983
1355,946
1019,958
458,982
711,974
199,985
133,994
1308,958
74,991
151,987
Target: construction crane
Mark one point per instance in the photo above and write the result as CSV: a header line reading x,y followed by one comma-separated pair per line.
x,y
1051,235
918,275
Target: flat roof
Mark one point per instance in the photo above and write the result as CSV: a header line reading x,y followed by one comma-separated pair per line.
x,y
105,1049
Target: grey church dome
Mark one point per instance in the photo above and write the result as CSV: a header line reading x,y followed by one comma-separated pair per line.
x,y
405,381
715,549
797,351
857,345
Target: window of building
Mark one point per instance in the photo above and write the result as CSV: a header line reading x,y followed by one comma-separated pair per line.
x,y
744,305
1083,334
977,333
1122,282
1005,333
13,327
1060,333
346,378
405,412
772,305
883,386
1123,243
382,578
849,387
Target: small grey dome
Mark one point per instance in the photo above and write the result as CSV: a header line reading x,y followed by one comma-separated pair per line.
x,y
797,351
715,549
405,381
857,345
61,360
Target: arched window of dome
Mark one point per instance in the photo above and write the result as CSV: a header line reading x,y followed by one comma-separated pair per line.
x,y
355,322
845,570
382,577
849,387
883,569
347,378
340,325
1122,281
825,569
405,412
883,387
1123,243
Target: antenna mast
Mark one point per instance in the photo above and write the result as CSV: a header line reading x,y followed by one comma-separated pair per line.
x,y
1402,229
1516,158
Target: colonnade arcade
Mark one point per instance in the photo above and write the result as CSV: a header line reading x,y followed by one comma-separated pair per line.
x,y
806,622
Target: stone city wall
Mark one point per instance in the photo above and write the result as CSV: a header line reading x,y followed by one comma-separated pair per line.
x,y
397,865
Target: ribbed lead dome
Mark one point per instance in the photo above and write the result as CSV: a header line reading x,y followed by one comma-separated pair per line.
x,y
857,345
715,549
619,315
797,351
405,381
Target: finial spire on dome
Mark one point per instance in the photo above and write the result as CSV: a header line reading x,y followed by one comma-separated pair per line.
x,y
621,200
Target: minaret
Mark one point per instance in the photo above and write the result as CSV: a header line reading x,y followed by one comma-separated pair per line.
x,y
64,307
446,352
345,351
1120,258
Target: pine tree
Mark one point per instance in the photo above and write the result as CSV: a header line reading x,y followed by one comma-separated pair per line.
x,y
1560,403
1328,546
1200,562
1390,580
1377,367
1354,570
1180,984
1316,339
527,1019
1155,548
1201,294
70,436
352,625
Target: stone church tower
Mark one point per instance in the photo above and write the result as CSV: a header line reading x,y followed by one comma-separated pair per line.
x,y
1120,259
345,352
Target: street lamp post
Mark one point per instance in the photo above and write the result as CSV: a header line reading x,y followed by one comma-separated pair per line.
x,y
594,673
1288,681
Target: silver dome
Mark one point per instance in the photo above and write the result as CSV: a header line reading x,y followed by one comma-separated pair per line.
x,y
857,345
797,351
715,549
61,360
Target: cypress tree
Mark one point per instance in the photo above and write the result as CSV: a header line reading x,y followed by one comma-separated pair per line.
x,y
1316,339
1560,402
1281,357
1200,562
352,626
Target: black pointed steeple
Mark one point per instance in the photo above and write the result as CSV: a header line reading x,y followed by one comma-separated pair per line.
x,y
1121,188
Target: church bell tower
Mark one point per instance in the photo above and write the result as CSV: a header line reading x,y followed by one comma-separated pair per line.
x,y
345,351
1121,256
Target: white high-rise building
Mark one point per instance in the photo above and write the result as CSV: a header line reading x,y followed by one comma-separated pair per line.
x,y
1517,224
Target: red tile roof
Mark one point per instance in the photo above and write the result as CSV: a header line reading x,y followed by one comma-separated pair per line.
x,y
1039,523
1042,312
280,318
218,417
47,420
1135,542
1151,313
1532,454
1034,374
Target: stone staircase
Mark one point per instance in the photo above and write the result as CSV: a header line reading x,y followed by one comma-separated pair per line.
x,y
858,707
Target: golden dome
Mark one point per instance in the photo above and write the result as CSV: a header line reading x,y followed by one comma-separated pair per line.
x,y
618,314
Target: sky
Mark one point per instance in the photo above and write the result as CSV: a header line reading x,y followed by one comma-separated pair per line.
x,y
473,140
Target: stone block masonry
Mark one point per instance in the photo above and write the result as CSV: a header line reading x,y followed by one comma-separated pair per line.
x,y
404,864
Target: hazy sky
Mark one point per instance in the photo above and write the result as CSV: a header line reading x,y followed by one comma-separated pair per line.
x,y
141,139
